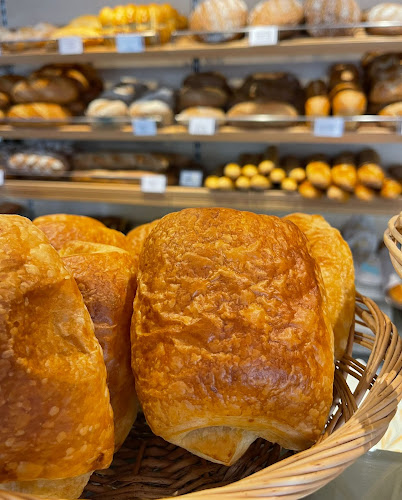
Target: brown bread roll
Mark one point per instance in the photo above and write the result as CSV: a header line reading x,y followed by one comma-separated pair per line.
x,y
4,101
106,108
317,101
183,343
391,12
318,12
298,174
38,111
206,96
202,111
289,184
335,260
344,176
277,175
245,109
106,277
61,229
154,108
7,83
277,13
56,420
57,90
346,94
370,173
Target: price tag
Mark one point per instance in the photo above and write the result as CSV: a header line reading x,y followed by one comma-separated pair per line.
x,y
1,177
130,43
71,45
331,126
153,184
191,178
263,35
201,126
144,126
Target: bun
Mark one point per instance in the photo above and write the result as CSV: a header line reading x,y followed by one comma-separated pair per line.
x,y
38,110
385,12
62,229
371,175
218,15
391,189
232,170
55,360
277,13
317,102
335,260
202,111
307,190
298,174
213,97
152,109
55,89
105,107
260,108
7,82
289,184
364,193
260,183
331,12
243,183
319,174
337,193
349,102
106,277
344,176
217,380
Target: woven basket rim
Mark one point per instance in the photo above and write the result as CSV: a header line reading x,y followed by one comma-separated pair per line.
x,y
356,426
393,241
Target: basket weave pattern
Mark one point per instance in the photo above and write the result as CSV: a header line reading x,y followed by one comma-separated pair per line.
x,y
393,241
147,467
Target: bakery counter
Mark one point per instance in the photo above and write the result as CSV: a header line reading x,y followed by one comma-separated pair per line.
x,y
366,134
179,197
186,49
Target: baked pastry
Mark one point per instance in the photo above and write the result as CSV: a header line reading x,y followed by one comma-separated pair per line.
x,y
318,172
38,111
56,89
298,174
156,109
364,193
211,182
318,12
106,108
4,101
289,184
56,420
370,173
225,184
229,307
277,13
7,82
346,93
137,236
202,111
260,183
61,229
337,193
317,101
270,161
232,170
106,278
260,108
37,163
307,190
213,97
344,175
243,183
277,175
218,15
335,260
391,12
391,189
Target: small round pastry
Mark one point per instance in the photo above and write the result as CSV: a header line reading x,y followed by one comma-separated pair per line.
x,y
249,170
203,111
260,183
385,12
364,193
155,108
225,184
277,175
391,189
337,193
344,176
317,101
232,170
277,13
298,174
307,190
211,182
243,183
319,12
319,174
106,108
265,167
371,175
349,102
289,184
106,16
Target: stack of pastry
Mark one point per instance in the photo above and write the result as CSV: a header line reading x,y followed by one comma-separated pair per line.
x,y
62,271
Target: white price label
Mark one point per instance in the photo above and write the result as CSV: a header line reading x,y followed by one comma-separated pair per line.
x,y
202,126
330,126
144,126
263,35
130,43
153,184
191,178
71,45
1,177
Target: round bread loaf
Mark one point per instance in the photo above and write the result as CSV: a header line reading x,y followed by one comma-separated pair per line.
x,y
154,108
218,15
391,12
318,12
106,107
277,13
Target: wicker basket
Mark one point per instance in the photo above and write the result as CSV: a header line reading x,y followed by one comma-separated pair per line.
x,y
393,241
148,467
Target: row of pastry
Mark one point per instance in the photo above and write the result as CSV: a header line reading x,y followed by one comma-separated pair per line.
x,y
224,325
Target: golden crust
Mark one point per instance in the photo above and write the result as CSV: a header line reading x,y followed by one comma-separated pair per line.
x,y
61,229
137,236
335,259
106,278
56,420
229,334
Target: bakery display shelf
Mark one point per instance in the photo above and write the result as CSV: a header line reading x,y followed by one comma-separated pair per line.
x,y
367,134
180,197
186,49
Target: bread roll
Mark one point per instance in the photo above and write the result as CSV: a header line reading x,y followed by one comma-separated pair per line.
x,y
317,101
331,12
289,184
137,236
38,110
230,340
232,170
349,102
277,13
260,108
61,229
4,101
7,82
157,109
106,277
218,15
318,173
391,12
56,419
335,260
213,97
249,170
225,184
202,111
307,190
270,161
277,175
260,183
211,182
371,175
298,174
337,193
344,175
243,183
364,193
391,189
55,89
105,108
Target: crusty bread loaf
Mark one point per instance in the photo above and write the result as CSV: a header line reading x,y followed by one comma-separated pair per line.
x,y
218,15
391,12
56,419
230,340
277,13
335,260
331,12
154,108
137,236
106,108
106,277
55,89
62,228
38,110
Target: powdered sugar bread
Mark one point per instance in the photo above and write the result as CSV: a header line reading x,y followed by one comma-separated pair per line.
x,y
318,12
277,13
385,12
219,15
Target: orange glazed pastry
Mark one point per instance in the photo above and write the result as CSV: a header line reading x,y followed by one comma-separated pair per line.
x,y
230,340
56,420
137,236
335,259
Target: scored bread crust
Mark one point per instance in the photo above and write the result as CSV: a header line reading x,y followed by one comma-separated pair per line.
x,y
229,336
335,260
106,277
56,419
136,238
63,228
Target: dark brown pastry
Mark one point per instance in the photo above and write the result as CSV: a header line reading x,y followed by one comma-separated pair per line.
x,y
4,101
7,82
212,97
206,79
57,90
317,101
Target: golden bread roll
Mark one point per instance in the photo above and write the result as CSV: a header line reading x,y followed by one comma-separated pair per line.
x,y
225,184
249,170
364,193
371,175
243,183
229,336
62,228
349,102
56,419
298,174
277,13
335,260
38,110
391,189
265,167
106,277
337,193
232,170
211,182
344,175
307,190
289,184
260,183
319,174
137,236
